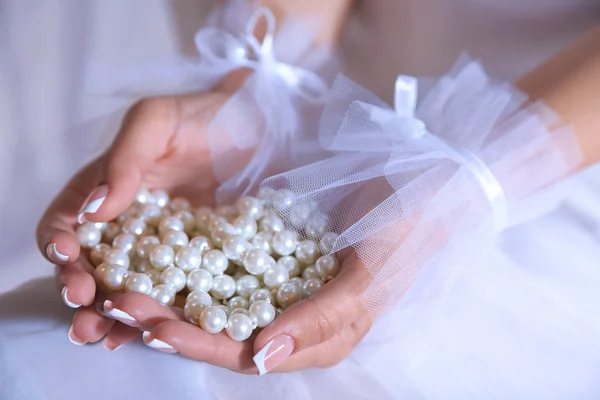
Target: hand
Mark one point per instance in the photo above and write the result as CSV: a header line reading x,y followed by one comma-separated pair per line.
x,y
162,144
317,332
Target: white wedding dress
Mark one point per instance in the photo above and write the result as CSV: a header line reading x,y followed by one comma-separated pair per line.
x,y
516,321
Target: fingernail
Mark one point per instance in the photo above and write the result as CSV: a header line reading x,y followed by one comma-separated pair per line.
x,y
93,202
121,316
157,344
54,255
110,344
73,338
66,300
274,353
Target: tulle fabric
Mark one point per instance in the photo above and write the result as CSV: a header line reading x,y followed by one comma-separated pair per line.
x,y
406,183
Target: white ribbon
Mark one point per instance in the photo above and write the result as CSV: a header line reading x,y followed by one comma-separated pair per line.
x,y
219,47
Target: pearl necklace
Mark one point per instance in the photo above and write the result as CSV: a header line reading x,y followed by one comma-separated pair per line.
x,y
238,264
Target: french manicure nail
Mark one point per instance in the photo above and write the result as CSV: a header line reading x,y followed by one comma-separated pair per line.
x,y
110,344
73,338
121,316
274,353
93,202
55,255
66,300
157,344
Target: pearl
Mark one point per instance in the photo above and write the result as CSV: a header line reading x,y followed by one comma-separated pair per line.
x,y
288,294
203,216
88,235
262,241
151,214
200,243
143,266
97,253
249,206
310,273
283,199
220,231
246,285
271,223
192,311
189,222
327,267
213,319
200,297
307,252
276,276
154,275
291,264
298,282
164,294
238,302
215,262
114,277
188,259
116,256
225,309
169,224
174,277
125,242
223,287
175,239
269,213
179,203
311,286
260,294
162,256
235,246
161,197
100,225
139,283
227,212
199,280
111,231
315,226
299,215
239,311
239,327
98,273
145,245
134,226
262,313
257,261
128,213
246,226
285,242
143,196
327,242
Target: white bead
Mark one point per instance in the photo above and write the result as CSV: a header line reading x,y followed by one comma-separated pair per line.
x,y
116,256
88,235
139,283
327,242
250,207
188,259
291,264
307,252
143,265
169,224
238,302
164,294
192,311
189,222
175,239
111,231
246,226
97,253
283,199
262,241
154,275
125,242
327,267
143,196
151,214
239,311
299,214
246,285
261,294
161,197
215,262
162,256
239,327
174,277
134,226
98,273
203,217
200,243
199,280
285,242
100,225
225,309
235,246
311,286
257,261
269,213
271,223
223,287
130,212
316,226
262,313
200,297
220,231
227,212
310,273
114,277
299,282
276,276
213,319
288,294
179,203
145,245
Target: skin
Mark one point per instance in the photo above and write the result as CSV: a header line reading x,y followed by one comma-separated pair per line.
x,y
161,145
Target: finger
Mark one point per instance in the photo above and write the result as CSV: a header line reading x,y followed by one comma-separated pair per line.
x,y
88,326
315,320
119,335
139,311
78,286
192,342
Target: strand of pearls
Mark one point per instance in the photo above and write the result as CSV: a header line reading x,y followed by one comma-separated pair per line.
x,y
237,266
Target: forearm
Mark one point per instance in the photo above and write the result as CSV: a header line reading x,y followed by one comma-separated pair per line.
x,y
570,84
